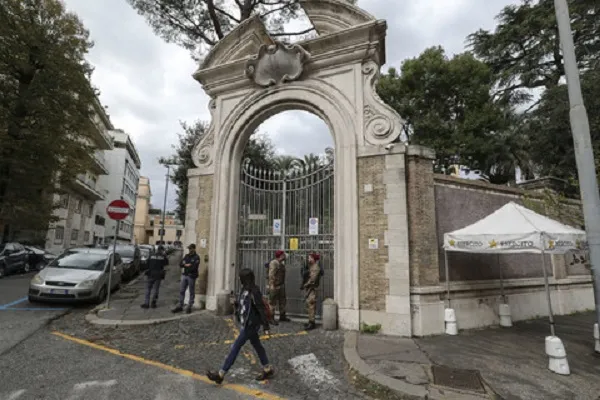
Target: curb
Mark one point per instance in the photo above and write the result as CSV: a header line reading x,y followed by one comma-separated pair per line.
x,y
93,318
357,364
407,390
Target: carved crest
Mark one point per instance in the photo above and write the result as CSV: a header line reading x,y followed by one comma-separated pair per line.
x,y
277,63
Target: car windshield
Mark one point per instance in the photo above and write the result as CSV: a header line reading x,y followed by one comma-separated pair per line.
x,y
145,253
79,260
126,252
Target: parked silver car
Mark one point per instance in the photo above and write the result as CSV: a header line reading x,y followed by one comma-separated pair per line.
x,y
79,274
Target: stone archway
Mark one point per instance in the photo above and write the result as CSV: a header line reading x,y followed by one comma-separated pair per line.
x,y
332,76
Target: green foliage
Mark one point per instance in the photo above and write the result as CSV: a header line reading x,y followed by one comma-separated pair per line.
x,y
447,105
556,206
199,25
370,329
45,107
524,51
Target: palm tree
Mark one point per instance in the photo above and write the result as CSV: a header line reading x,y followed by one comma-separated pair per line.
x,y
286,163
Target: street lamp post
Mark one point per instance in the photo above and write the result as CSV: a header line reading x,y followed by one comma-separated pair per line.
x,y
584,154
162,231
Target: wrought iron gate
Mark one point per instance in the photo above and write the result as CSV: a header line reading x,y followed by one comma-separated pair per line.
x,y
292,211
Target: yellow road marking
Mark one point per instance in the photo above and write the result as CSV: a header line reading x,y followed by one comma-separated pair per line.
x,y
237,388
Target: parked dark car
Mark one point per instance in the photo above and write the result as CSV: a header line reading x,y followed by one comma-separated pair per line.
x,y
131,256
13,259
38,258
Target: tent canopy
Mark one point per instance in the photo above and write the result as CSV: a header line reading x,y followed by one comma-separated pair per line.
x,y
515,229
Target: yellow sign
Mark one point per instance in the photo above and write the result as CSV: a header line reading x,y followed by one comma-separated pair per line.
x,y
294,244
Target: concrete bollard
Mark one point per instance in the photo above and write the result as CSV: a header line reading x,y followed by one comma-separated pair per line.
x,y
596,338
450,319
224,306
329,315
505,315
557,356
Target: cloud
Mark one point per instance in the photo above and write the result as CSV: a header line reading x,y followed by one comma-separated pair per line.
x,y
147,84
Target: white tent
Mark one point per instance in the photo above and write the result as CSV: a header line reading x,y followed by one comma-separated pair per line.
x,y
515,229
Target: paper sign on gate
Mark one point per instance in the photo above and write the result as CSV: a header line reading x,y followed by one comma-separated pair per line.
x,y
373,244
294,244
276,227
313,226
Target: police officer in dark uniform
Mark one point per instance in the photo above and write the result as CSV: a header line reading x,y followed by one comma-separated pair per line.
x,y
190,265
155,273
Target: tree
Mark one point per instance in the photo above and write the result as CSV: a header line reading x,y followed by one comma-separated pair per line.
x,y
197,25
524,50
548,128
45,107
447,105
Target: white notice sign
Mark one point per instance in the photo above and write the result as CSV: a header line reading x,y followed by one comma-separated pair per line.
x,y
313,226
276,227
373,244
203,243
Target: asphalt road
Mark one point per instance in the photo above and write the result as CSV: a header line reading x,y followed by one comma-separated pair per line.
x,y
37,364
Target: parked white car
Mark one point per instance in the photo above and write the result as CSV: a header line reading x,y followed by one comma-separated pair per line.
x,y
79,274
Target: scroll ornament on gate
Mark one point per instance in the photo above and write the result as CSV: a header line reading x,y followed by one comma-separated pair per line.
x,y
202,154
382,124
277,63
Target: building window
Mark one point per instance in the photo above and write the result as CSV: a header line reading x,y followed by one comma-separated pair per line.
x,y
64,201
86,236
59,234
77,205
74,235
90,212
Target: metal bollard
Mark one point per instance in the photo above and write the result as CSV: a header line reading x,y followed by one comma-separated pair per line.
x,y
329,315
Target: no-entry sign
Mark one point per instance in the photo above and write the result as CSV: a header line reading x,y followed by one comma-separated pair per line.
x,y
118,210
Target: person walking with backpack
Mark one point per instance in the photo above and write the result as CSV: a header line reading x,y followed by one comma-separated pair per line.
x,y
311,284
251,313
277,295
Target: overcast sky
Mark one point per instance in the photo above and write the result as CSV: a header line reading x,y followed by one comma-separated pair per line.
x,y
148,88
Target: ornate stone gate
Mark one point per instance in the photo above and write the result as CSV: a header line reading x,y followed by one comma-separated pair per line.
x,y
250,77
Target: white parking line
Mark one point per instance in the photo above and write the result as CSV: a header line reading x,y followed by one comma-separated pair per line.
x,y
101,390
13,395
312,373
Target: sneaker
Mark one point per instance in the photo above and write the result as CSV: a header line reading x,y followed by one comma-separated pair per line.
x,y
284,318
310,326
265,374
188,310
177,309
215,377
153,305
144,306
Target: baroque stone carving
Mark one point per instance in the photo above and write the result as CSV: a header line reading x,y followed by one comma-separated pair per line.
x,y
382,125
277,63
202,154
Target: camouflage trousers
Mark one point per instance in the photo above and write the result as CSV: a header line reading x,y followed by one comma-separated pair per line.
x,y
277,297
311,304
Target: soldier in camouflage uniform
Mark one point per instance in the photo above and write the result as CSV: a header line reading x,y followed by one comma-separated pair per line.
x,y
310,286
277,286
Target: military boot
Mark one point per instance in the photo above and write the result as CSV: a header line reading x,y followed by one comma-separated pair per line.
x,y
284,318
310,326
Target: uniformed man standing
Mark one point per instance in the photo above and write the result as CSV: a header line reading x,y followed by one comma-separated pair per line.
x,y
155,273
190,265
310,286
277,294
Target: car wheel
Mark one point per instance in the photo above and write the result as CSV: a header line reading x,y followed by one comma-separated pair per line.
x,y
26,267
31,300
2,271
39,266
102,294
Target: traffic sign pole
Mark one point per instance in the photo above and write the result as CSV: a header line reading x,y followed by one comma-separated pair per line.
x,y
117,210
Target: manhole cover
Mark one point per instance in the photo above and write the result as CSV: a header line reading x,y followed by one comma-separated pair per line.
x,y
463,379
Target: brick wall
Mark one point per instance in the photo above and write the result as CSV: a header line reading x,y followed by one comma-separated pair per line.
x,y
372,224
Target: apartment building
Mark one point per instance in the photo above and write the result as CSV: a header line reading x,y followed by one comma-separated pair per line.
x,y
173,229
121,182
81,221
142,231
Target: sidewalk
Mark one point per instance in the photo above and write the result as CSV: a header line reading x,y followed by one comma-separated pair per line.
x,y
125,303
493,363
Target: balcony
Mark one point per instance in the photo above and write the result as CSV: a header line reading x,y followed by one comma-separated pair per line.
x,y
99,163
86,188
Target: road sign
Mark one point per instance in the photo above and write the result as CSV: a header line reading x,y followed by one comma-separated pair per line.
x,y
118,210
313,226
293,244
276,227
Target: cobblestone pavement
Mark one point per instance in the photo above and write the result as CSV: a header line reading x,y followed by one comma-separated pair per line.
x,y
308,365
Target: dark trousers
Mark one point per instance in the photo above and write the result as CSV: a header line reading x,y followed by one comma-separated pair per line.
x,y
152,284
187,282
244,336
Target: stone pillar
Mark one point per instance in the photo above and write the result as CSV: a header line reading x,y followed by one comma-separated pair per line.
x,y
383,240
427,310
197,226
